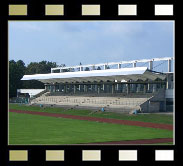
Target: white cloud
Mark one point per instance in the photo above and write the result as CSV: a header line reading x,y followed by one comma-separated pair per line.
x,y
125,28
90,41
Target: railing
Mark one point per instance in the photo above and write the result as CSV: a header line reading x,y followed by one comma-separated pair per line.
x,y
134,62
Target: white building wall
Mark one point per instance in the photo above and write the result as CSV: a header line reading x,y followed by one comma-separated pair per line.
x,y
31,92
169,93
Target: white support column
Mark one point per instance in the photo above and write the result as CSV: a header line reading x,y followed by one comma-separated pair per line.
x,y
103,87
117,87
154,87
85,88
105,67
54,88
145,88
98,89
81,69
74,89
134,64
167,81
149,87
150,65
95,88
79,87
61,70
167,84
169,65
93,67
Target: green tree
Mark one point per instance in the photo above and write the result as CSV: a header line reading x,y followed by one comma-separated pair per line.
x,y
16,72
42,67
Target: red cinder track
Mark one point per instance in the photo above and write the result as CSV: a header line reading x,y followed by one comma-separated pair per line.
x,y
114,121
139,142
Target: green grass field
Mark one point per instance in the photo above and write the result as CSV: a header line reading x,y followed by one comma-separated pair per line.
x,y
154,118
35,129
26,129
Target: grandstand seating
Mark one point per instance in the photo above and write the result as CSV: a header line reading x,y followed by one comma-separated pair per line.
x,y
121,103
131,95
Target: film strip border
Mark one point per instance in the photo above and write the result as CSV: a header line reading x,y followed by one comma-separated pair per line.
x,y
88,9
84,155
91,10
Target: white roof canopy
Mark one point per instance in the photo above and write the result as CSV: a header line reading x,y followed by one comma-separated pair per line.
x,y
112,75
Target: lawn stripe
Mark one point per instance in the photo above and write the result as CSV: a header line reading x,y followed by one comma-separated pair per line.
x,y
114,121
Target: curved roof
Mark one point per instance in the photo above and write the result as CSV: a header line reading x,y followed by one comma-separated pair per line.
x,y
136,73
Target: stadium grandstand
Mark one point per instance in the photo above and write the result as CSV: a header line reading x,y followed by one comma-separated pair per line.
x,y
117,86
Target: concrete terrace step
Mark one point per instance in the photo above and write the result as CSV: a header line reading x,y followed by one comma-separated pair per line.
x,y
93,100
116,104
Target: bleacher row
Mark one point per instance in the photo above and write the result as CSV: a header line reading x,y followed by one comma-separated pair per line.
x,y
123,103
124,95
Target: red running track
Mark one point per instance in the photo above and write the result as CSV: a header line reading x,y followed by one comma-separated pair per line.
x,y
137,142
114,121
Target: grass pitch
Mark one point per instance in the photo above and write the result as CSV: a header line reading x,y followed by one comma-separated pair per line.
x,y
28,129
154,118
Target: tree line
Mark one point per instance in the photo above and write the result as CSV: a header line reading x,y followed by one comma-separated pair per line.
x,y
17,69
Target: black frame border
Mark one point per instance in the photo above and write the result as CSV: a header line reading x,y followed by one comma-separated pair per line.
x,y
72,11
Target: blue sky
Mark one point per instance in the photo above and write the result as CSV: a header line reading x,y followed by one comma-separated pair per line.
x,y
89,42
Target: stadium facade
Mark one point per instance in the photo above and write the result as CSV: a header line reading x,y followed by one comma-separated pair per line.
x,y
122,89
